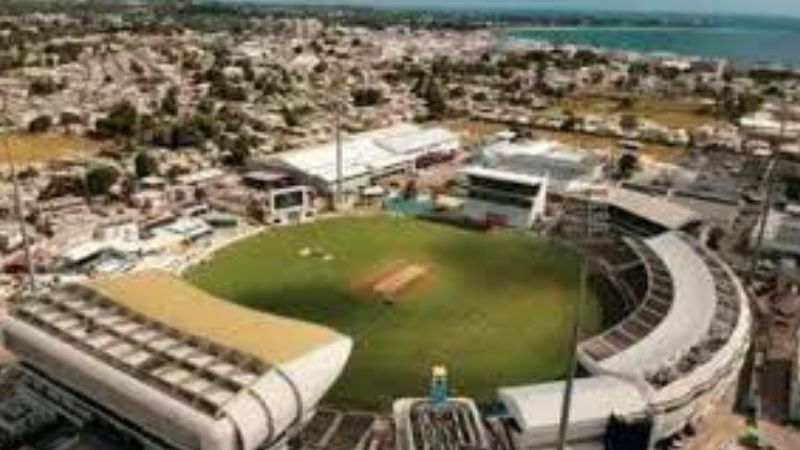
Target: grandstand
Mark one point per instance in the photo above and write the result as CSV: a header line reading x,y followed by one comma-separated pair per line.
x,y
677,348
499,197
148,353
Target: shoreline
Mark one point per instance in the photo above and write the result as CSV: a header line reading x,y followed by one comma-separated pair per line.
x,y
609,39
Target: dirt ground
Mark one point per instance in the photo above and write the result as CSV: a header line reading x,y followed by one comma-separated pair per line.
x,y
473,132
722,428
393,279
673,113
27,148
401,280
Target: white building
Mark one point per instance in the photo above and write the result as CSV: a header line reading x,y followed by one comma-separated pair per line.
x,y
563,165
291,205
511,180
365,157
499,197
764,124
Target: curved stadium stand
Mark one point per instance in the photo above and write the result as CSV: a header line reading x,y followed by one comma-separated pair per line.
x,y
676,351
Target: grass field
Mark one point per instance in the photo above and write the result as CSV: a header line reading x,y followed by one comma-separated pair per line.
x,y
496,308
673,113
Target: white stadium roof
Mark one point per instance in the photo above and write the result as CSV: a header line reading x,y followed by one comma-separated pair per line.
x,y
688,319
666,369
655,209
537,407
503,175
153,350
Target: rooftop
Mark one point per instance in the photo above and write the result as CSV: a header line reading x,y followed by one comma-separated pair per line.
x,y
595,399
689,315
504,175
658,210
175,303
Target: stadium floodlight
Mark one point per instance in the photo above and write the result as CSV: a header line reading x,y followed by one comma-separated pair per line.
x,y
18,210
753,400
572,367
338,84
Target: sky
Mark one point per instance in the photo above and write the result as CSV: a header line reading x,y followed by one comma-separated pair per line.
x,y
771,7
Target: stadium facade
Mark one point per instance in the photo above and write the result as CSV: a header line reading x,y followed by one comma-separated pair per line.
x,y
172,365
675,351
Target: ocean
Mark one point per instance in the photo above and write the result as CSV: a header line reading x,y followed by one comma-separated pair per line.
x,y
743,40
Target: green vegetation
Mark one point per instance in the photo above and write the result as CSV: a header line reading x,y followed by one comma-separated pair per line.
x,y
40,124
673,113
496,308
145,164
120,121
367,96
100,179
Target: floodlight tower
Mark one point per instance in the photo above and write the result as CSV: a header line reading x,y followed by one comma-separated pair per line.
x,y
566,403
339,164
754,388
18,210
338,82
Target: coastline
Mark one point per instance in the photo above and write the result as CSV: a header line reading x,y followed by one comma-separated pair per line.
x,y
741,45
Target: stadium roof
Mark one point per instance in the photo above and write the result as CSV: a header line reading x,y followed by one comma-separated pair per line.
x,y
655,209
689,316
184,366
503,175
595,399
415,141
168,300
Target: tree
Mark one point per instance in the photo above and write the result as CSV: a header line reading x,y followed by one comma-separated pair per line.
x,y
290,117
44,86
99,180
187,134
410,190
629,122
68,119
247,70
40,124
627,102
61,185
175,171
145,164
240,151
206,106
225,90
626,165
435,99
120,121
169,104
367,96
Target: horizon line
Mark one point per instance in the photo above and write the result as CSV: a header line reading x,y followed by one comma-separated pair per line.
x,y
415,6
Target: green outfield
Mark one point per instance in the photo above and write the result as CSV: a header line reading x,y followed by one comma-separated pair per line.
x,y
496,308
